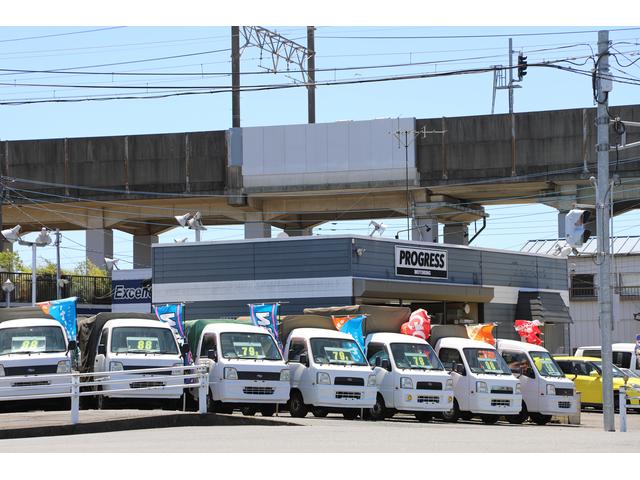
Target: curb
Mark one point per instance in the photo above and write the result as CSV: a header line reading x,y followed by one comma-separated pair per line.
x,y
160,421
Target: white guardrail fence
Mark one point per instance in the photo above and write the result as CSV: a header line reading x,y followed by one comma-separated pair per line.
x,y
91,384
624,405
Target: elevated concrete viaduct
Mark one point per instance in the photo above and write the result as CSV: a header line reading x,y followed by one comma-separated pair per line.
x,y
299,176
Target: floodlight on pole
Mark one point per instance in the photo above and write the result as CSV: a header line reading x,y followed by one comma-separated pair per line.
x,y
180,240
110,263
43,238
377,227
11,234
192,221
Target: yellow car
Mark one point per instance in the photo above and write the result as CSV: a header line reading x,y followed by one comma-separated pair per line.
x,y
586,373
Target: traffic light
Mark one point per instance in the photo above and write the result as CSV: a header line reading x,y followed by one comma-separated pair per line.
x,y
522,66
574,230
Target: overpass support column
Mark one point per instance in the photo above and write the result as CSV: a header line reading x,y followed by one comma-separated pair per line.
x,y
456,233
142,250
256,227
298,232
99,244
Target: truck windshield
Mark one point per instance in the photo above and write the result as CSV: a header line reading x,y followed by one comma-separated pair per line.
x,y
42,339
484,360
415,355
546,365
143,340
337,351
254,346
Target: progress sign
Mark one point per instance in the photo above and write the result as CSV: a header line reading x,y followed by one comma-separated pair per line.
x,y
421,262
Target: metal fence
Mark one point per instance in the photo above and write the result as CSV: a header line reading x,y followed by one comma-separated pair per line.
x,y
91,290
628,293
92,384
582,293
624,404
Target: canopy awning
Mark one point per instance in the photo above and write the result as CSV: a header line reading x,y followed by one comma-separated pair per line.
x,y
375,288
546,307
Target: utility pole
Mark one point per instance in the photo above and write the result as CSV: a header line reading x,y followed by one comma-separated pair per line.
x,y
603,192
235,77
311,74
58,286
513,117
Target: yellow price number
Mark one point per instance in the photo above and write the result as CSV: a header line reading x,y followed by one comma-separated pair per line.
x,y
341,356
145,345
29,344
418,361
249,351
489,364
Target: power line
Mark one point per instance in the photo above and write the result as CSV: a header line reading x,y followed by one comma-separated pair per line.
x,y
58,34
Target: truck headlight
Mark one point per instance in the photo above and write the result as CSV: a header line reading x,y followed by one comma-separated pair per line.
x,y
323,378
1,371
481,387
518,389
176,372
285,375
64,366
406,382
449,385
551,389
230,373
371,382
116,367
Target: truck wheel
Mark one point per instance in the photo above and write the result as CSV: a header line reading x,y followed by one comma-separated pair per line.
x,y
424,416
519,418
297,407
268,410
540,419
319,412
248,411
103,402
452,415
489,419
379,410
350,413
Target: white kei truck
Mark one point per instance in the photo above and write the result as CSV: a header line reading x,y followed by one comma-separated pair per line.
x,y
33,344
329,373
483,384
624,355
122,342
409,376
246,368
545,389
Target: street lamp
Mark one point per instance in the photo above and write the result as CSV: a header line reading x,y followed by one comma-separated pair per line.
x,y
42,240
110,263
192,221
8,287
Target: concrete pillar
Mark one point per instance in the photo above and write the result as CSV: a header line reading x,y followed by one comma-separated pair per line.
x,y
457,234
142,250
99,244
257,229
424,229
298,232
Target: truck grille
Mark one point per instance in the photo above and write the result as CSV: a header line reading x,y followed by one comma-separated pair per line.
x,y
428,399
146,384
564,392
258,390
564,404
352,395
355,381
508,390
27,370
258,375
497,402
429,386
30,384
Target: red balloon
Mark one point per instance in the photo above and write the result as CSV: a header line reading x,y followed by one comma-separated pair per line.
x,y
419,325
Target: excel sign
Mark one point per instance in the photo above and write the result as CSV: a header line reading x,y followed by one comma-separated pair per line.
x,y
421,262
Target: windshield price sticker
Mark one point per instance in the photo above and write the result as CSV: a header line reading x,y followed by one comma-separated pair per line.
x,y
248,349
148,344
28,344
340,355
417,359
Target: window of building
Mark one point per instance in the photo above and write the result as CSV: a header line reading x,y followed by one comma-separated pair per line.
x,y
582,285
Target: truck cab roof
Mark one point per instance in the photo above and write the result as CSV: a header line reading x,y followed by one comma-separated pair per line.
x,y
135,322
520,346
385,337
457,342
31,322
619,347
318,333
233,327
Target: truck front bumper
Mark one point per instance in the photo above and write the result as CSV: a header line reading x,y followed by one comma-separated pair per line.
x,y
250,391
423,400
495,403
28,385
558,405
144,386
340,396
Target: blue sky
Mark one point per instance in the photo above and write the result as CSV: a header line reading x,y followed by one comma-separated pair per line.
x,y
137,49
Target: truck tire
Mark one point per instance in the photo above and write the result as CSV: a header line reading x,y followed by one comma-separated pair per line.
x,y
519,418
540,419
452,415
102,402
268,410
379,410
350,413
319,412
297,407
489,419
248,411
424,416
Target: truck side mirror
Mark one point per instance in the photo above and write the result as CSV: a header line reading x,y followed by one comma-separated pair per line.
x,y
102,349
459,369
71,346
212,354
304,359
184,349
386,364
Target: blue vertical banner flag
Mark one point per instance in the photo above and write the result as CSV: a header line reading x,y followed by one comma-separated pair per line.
x,y
173,314
266,315
353,327
63,310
